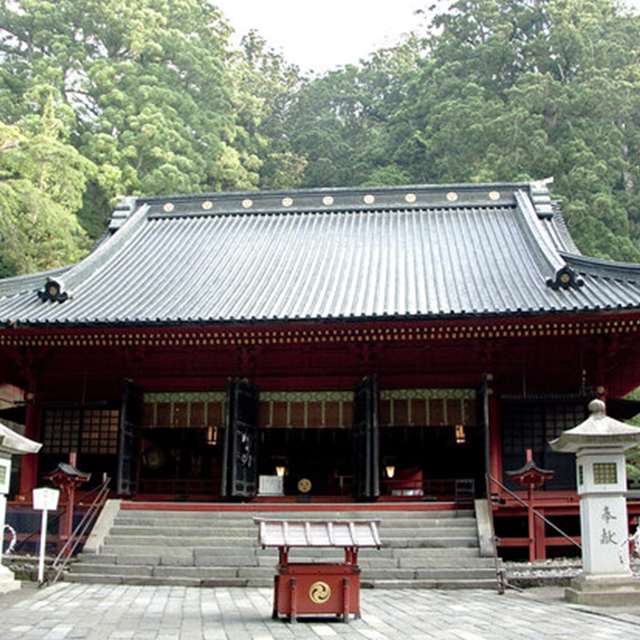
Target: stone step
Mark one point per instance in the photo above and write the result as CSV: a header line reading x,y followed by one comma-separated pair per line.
x,y
148,515
439,563
267,573
236,538
432,542
151,562
249,529
196,517
429,549
200,573
174,581
177,542
255,555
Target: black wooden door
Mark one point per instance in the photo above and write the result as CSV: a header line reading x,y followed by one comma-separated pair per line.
x,y
366,440
127,463
240,463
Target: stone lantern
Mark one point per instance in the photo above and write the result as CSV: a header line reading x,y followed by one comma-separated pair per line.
x,y
11,443
599,444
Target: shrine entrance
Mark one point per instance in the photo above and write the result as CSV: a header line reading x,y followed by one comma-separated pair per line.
x,y
306,438
343,444
312,461
429,440
181,445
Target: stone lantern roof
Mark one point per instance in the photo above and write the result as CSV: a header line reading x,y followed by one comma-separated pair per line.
x,y
12,442
597,430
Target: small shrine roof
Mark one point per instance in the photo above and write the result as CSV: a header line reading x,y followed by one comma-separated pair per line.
x,y
69,470
415,252
318,533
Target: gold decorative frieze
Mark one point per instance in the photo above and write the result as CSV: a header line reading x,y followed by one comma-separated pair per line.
x,y
422,407
148,337
183,410
306,409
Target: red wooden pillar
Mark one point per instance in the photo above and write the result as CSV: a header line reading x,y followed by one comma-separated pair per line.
x,y
531,518
29,462
540,548
495,438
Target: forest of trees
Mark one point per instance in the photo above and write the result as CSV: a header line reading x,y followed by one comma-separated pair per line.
x,y
105,98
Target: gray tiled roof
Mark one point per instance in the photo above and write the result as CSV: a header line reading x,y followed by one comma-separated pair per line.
x,y
414,252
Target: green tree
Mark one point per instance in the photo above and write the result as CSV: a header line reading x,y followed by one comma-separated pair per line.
x,y
149,84
266,85
514,89
42,181
341,121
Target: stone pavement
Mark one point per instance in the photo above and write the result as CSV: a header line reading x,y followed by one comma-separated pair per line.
x,y
101,612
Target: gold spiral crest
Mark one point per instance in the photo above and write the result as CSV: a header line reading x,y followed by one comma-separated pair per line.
x,y
319,592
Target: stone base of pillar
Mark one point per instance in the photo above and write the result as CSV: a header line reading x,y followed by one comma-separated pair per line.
x,y
8,581
604,590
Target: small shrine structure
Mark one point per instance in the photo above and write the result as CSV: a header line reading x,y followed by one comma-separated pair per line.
x,y
531,477
321,587
68,479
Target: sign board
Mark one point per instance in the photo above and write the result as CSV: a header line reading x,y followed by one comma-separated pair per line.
x,y
45,499
271,486
5,475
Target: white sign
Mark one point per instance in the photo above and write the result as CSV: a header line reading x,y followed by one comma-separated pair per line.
x,y
5,475
45,499
271,486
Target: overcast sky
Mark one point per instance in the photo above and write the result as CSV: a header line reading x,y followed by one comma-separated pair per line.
x,y
322,34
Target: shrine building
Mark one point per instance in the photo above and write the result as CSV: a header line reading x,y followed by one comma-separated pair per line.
x,y
361,344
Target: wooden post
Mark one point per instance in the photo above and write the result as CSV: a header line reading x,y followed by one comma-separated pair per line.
x,y
346,594
530,514
276,592
541,539
293,599
29,462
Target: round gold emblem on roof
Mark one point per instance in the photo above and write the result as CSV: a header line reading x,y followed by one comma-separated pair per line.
x,y
168,207
247,203
327,200
304,485
452,196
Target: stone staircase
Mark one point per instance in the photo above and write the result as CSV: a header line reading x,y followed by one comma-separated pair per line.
x,y
424,549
